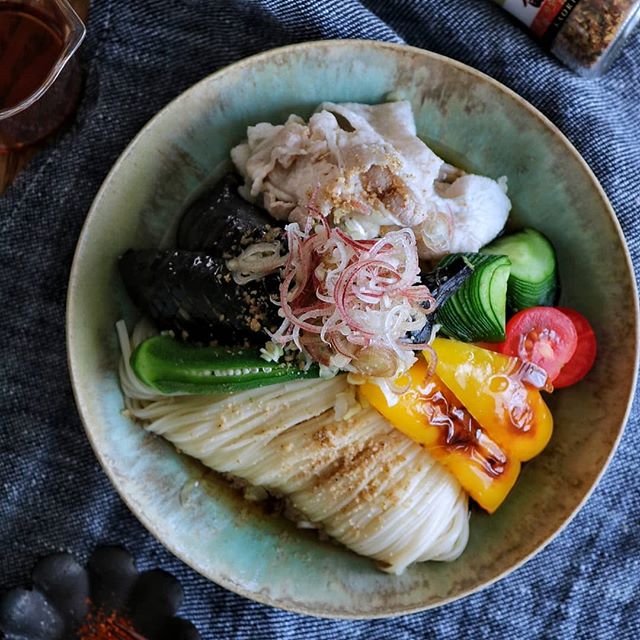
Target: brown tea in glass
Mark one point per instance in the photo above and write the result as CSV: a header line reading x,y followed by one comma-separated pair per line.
x,y
39,77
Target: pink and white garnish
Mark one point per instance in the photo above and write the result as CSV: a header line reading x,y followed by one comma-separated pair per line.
x,y
349,304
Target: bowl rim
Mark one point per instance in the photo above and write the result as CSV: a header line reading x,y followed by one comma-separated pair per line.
x,y
72,325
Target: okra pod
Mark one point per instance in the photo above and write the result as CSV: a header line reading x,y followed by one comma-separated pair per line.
x,y
171,366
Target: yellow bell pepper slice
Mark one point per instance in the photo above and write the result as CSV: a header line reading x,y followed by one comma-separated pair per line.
x,y
430,414
491,387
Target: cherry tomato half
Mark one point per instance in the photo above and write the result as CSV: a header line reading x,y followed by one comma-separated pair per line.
x,y
585,354
542,335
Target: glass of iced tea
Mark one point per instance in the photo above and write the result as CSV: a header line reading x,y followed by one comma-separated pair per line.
x,y
39,75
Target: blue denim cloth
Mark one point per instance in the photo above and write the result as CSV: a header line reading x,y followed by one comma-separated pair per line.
x,y
138,56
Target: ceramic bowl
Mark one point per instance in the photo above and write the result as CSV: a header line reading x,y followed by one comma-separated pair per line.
x,y
468,118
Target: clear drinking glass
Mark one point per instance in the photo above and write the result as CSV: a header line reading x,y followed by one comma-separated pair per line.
x,y
39,75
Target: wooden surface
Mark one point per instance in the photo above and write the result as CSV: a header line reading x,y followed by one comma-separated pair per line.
x,y
12,163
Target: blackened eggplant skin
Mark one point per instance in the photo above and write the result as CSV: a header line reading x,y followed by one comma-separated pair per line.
x,y
443,282
194,294
222,223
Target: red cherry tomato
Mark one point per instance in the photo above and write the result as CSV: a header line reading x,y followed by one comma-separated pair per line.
x,y
542,335
585,354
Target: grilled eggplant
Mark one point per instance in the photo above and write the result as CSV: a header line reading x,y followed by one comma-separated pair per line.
x,y
443,282
193,294
222,223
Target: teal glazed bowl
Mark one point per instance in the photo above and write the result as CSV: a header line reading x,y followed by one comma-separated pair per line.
x,y
471,120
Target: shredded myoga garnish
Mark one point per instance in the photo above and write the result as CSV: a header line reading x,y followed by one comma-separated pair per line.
x,y
351,296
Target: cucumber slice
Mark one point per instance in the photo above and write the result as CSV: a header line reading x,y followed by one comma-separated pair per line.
x,y
480,306
477,297
454,321
533,280
499,285
477,310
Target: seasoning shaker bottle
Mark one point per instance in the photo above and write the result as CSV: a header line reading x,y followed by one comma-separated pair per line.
x,y
586,35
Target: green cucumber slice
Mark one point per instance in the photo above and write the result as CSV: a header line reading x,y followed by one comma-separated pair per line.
x,y
477,311
477,297
454,322
499,286
174,367
534,279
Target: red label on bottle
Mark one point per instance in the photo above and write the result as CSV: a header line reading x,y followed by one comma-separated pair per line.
x,y
550,18
548,11
543,17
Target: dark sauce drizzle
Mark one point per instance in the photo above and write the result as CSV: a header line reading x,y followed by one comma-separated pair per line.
x,y
461,431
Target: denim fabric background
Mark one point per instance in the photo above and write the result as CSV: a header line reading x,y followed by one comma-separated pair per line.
x,y
139,54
